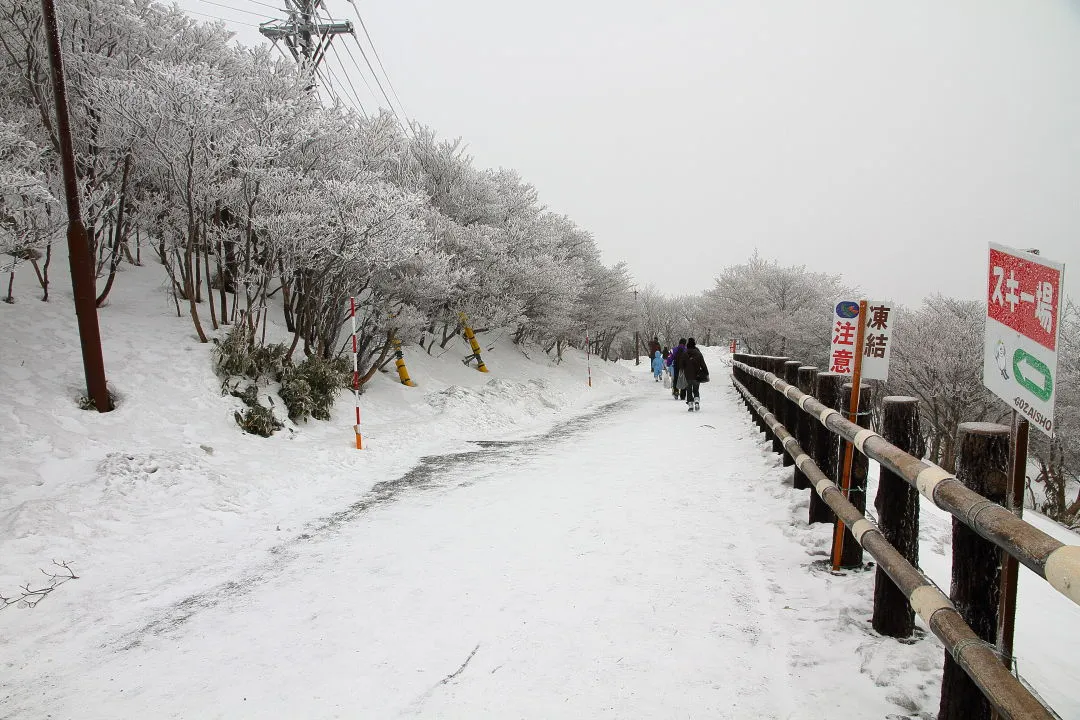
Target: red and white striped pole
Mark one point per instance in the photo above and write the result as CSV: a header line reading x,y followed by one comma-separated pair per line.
x,y
588,354
355,373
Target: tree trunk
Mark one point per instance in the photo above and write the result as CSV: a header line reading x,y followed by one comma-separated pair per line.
x,y
209,289
118,233
223,294
43,272
189,290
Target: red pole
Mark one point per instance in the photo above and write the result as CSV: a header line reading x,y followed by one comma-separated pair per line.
x,y
588,355
849,448
355,374
82,277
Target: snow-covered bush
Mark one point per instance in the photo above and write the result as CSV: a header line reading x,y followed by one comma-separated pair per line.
x,y
238,356
258,420
310,388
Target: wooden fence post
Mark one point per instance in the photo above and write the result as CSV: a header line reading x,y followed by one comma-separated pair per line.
x,y
789,412
983,466
804,429
897,505
754,386
827,392
776,400
851,554
743,377
737,375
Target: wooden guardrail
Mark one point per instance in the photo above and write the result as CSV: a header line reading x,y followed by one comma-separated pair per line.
x,y
975,680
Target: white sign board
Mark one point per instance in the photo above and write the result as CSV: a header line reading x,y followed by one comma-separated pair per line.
x,y
877,338
1023,307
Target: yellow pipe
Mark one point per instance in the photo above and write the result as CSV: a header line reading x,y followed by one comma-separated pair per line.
x,y
471,337
402,371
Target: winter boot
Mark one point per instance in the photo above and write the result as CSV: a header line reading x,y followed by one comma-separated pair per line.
x,y
697,404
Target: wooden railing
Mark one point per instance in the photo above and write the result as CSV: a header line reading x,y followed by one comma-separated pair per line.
x,y
809,432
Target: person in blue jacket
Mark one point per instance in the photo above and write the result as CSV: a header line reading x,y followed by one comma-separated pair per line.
x,y
657,365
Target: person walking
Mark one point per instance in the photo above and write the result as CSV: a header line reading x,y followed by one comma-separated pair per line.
x,y
676,365
657,365
654,345
696,372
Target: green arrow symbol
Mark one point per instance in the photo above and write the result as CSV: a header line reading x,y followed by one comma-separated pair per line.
x,y
1035,366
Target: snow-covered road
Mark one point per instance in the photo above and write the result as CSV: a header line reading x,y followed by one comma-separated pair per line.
x,y
641,562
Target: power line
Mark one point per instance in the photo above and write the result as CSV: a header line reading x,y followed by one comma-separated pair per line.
x,y
326,85
378,59
356,96
379,84
219,18
359,70
235,9
389,103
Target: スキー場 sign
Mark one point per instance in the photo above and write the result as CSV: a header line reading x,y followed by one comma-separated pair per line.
x,y
1023,306
877,338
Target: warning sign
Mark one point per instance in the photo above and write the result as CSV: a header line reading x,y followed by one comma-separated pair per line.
x,y
877,338
1022,312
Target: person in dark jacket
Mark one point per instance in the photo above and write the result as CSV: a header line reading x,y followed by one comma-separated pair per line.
x,y
694,370
676,366
654,347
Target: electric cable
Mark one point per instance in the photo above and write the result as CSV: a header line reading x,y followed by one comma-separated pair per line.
x,y
355,95
239,10
378,59
220,19
371,69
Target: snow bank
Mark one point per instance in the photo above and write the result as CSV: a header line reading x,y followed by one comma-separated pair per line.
x,y
150,500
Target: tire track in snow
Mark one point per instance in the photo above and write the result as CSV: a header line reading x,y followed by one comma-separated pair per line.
x,y
426,474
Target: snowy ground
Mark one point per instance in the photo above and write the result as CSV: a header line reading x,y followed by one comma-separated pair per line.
x,y
512,545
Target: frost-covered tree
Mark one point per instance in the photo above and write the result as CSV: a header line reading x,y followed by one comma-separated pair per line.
x,y
28,219
1058,459
937,356
773,309
258,199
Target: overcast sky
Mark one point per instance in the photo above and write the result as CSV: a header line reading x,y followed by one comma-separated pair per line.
x,y
886,141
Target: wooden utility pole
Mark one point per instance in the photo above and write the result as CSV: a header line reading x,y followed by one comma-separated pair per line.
x,y
82,275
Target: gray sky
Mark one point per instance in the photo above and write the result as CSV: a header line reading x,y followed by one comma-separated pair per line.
x,y
886,141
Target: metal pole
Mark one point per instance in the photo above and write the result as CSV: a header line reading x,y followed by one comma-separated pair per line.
x,y
849,448
82,277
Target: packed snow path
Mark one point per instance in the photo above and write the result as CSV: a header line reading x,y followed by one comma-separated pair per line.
x,y
639,562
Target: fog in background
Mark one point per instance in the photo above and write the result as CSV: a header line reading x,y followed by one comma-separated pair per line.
x,y
885,141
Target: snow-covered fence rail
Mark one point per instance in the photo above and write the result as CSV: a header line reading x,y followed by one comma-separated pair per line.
x,y
774,400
